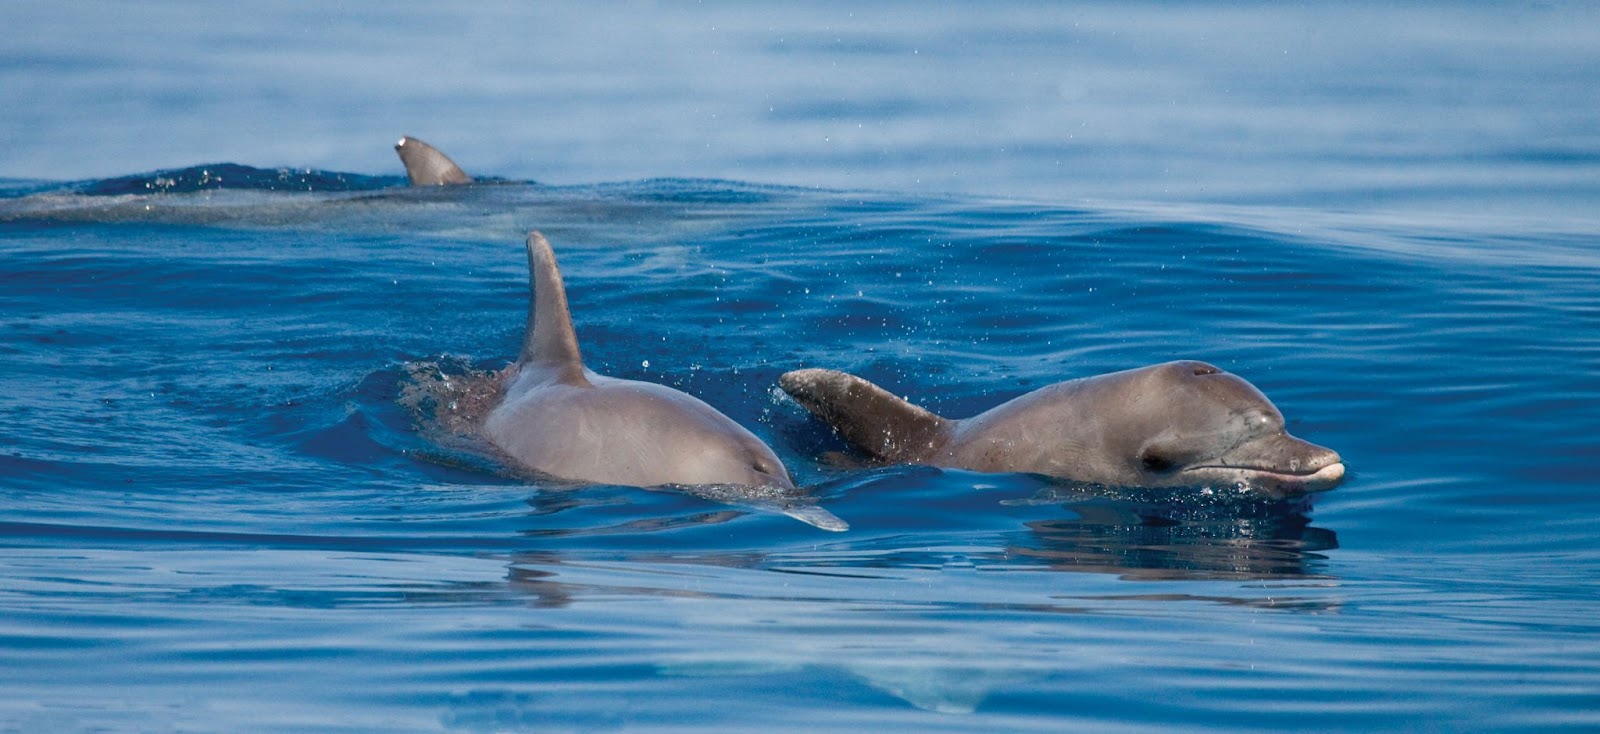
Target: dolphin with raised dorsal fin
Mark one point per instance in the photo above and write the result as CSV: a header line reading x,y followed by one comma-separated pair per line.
x,y
1177,424
561,419
426,166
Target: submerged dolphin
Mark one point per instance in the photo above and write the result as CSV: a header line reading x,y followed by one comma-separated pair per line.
x,y
1177,424
426,166
561,419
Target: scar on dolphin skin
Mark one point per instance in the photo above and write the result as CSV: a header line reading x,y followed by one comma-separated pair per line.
x,y
561,419
1177,424
426,166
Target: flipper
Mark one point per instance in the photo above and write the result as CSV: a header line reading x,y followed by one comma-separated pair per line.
x,y
426,166
549,342
816,517
768,499
869,417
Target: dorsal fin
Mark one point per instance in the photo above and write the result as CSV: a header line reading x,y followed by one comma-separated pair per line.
x,y
550,341
426,166
869,417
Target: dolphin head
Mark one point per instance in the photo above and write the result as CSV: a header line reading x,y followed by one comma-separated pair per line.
x,y
671,437
609,430
747,463
1192,424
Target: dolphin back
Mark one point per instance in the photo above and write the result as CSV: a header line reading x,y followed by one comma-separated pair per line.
x,y
869,417
426,166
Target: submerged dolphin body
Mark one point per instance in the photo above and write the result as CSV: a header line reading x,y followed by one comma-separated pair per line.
x,y
426,166
1177,424
559,418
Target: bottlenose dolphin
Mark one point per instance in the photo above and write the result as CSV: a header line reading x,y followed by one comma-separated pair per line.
x,y
1178,424
426,166
561,419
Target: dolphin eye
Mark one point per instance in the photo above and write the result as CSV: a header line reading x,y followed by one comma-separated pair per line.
x,y
1155,462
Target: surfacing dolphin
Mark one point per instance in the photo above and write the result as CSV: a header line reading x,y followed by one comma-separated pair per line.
x,y
1178,424
426,166
560,419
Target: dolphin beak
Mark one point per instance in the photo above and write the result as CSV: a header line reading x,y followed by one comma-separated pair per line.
x,y
1297,465
1295,456
1283,465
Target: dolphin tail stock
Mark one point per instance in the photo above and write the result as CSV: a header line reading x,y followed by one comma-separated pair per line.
x,y
426,166
869,417
549,341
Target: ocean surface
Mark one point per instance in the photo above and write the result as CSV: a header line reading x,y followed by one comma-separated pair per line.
x,y
232,496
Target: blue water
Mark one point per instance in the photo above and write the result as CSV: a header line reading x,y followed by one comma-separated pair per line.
x,y
224,507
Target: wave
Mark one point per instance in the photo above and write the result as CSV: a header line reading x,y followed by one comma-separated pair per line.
x,y
218,176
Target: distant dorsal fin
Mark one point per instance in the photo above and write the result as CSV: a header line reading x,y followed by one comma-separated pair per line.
x,y
869,417
549,342
426,166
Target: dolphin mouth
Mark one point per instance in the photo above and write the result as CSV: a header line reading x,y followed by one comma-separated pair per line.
x,y
1278,464
1322,478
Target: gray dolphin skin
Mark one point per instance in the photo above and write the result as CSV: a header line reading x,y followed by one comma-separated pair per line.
x,y
1178,424
426,166
561,419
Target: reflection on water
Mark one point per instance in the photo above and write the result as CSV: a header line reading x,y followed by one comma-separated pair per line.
x,y
806,599
1182,540
1172,537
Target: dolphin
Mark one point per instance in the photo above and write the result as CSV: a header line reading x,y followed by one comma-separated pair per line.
x,y
426,166
1178,424
560,419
